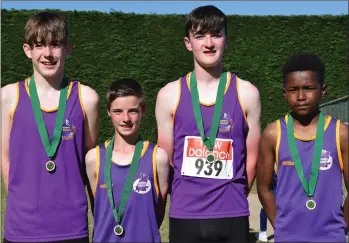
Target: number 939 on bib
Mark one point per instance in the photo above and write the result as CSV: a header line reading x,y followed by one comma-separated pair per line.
x,y
195,163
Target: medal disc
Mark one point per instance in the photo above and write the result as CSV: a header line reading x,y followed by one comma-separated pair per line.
x,y
50,166
310,204
210,158
118,230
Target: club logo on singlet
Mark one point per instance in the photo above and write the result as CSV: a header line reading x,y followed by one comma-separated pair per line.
x,y
326,160
225,123
68,130
142,185
195,162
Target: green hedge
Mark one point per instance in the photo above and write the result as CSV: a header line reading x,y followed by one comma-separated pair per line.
x,y
150,48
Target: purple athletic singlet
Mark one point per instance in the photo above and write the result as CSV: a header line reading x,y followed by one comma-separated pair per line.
x,y
139,221
202,190
41,206
294,222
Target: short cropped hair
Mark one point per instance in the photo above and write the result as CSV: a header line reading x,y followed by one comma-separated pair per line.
x,y
46,28
122,88
206,19
304,62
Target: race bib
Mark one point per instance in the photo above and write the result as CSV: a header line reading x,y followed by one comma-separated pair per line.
x,y
194,159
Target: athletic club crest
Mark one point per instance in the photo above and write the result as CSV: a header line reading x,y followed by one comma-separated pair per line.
x,y
326,160
226,123
68,130
142,185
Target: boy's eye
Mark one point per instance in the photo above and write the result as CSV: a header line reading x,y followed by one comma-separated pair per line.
x,y
55,45
217,35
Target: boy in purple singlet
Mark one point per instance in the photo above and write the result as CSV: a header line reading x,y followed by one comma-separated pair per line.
x,y
129,175
311,154
49,122
212,176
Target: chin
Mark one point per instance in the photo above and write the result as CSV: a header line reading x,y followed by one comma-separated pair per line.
x,y
126,133
302,112
49,73
209,63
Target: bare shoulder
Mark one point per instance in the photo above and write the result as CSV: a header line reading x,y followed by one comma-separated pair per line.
x,y
169,94
89,96
247,90
162,158
91,156
343,132
270,133
9,95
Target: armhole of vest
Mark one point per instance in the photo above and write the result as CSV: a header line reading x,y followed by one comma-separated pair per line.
x,y
338,143
98,163
12,113
178,99
278,138
80,99
155,173
239,99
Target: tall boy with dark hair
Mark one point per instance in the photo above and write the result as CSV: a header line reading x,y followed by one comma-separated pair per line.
x,y
212,176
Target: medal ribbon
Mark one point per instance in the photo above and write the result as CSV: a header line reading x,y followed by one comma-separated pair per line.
x,y
308,186
129,181
209,142
50,147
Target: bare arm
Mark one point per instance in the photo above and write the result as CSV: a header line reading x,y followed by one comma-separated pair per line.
x,y
166,103
265,171
162,168
344,150
251,103
8,103
91,162
164,107
90,101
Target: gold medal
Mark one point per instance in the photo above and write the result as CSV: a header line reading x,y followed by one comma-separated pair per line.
x,y
310,204
118,230
50,166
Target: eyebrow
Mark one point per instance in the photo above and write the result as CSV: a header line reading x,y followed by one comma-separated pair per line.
x,y
129,109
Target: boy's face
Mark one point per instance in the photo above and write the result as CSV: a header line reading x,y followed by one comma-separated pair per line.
x,y
48,60
126,114
207,48
303,92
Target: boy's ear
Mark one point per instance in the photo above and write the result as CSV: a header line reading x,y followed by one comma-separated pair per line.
x,y
284,92
188,44
68,49
27,50
323,91
143,108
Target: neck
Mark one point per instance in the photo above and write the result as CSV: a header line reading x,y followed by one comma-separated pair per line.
x,y
208,75
125,144
306,120
48,84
